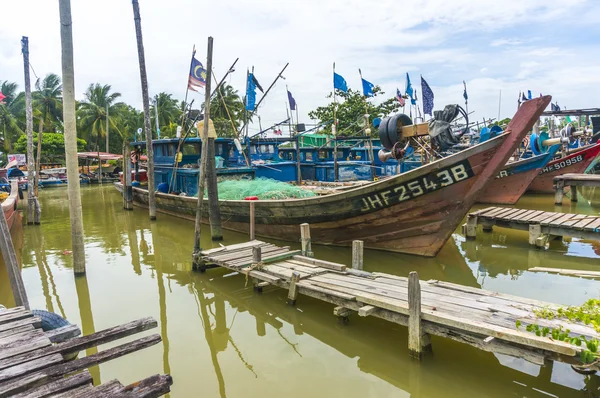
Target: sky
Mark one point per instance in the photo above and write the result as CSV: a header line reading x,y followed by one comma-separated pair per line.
x,y
498,48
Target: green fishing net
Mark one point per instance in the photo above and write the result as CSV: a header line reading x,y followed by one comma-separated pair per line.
x,y
263,188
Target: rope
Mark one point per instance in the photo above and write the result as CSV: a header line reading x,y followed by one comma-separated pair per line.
x,y
247,271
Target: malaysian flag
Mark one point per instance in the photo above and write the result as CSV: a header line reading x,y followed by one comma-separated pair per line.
x,y
427,98
400,98
197,76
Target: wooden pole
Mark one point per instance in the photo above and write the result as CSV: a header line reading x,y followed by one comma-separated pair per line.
x,y
38,157
107,151
252,219
415,332
256,255
12,265
146,101
558,196
293,292
357,254
127,179
305,240
28,128
214,213
203,160
70,134
573,193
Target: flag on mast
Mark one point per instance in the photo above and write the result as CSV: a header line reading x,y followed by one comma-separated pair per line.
x,y
409,90
339,82
250,93
400,98
197,76
427,98
367,86
292,101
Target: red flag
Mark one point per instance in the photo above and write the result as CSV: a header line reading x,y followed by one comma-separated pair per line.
x,y
2,96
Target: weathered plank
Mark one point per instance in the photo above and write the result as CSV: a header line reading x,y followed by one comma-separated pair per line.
x,y
153,386
58,386
81,343
570,272
27,380
321,263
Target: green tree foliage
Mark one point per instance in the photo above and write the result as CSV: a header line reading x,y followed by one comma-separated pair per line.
x,y
351,108
12,114
47,101
53,146
91,115
169,114
227,111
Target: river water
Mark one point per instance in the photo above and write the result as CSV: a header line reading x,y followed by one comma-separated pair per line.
x,y
220,339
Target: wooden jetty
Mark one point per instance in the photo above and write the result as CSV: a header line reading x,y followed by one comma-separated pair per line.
x,y
573,180
34,363
542,225
481,318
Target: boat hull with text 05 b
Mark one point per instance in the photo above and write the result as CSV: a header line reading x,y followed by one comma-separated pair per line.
x,y
414,212
512,181
576,162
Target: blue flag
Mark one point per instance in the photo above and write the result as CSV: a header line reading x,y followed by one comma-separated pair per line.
x,y
339,82
427,98
251,93
367,88
292,101
465,96
529,94
410,91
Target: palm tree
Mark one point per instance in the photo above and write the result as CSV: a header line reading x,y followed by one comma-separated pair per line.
x,y
12,112
47,100
169,112
92,113
227,110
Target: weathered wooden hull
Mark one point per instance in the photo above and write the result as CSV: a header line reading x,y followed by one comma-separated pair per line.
x,y
414,212
576,162
9,206
512,181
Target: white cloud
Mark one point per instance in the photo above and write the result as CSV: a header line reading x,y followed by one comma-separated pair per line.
x,y
385,39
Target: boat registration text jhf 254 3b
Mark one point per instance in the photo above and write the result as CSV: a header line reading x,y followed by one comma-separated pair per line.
x,y
418,186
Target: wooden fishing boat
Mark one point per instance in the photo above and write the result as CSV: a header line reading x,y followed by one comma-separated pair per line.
x,y
9,205
414,212
576,162
512,181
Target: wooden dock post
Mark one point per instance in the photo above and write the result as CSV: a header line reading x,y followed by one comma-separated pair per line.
x,y
357,254
305,239
470,228
256,255
573,193
293,292
127,189
536,237
417,340
12,265
558,196
252,219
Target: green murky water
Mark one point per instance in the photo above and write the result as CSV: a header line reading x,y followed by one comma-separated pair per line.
x,y
222,339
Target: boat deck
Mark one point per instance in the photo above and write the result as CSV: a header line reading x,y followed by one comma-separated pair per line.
x,y
32,362
478,317
542,225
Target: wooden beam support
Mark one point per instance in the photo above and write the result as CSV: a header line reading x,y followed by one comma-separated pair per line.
x,y
418,341
357,254
535,231
256,255
366,310
470,228
573,193
305,240
293,292
558,195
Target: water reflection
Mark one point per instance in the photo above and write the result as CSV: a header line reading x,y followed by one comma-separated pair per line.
x,y
221,338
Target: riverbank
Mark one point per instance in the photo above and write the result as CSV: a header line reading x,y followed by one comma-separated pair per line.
x,y
221,339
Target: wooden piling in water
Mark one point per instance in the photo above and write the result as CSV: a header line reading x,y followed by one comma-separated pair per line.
x,y
305,240
214,212
293,291
357,254
252,219
558,196
417,340
127,189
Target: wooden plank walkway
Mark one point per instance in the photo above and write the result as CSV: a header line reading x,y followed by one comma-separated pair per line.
x,y
573,180
484,319
542,225
34,363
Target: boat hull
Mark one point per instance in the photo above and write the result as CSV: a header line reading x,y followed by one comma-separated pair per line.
x,y
514,179
577,163
414,212
9,206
